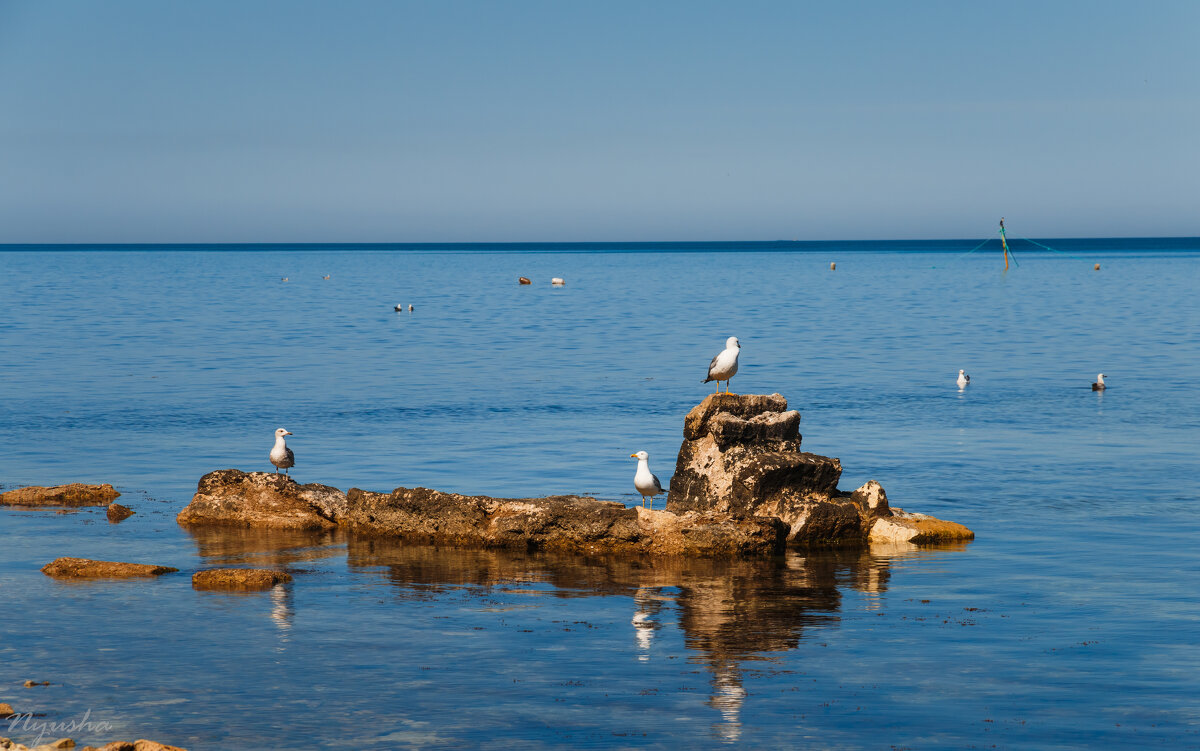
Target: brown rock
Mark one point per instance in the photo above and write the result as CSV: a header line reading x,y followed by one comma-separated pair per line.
x,y
238,579
917,529
117,746
524,280
31,684
6,710
75,494
82,568
144,745
262,499
59,744
118,513
741,457
564,523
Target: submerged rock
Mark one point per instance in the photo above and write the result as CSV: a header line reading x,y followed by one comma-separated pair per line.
x,y
32,683
118,513
262,499
249,579
83,568
741,456
138,745
74,494
917,529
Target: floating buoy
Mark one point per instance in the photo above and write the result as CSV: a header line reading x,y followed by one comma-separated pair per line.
x,y
524,280
557,281
832,266
1097,267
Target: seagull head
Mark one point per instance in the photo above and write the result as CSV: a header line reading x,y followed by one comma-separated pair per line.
x,y
960,371
1100,377
640,456
732,343
281,433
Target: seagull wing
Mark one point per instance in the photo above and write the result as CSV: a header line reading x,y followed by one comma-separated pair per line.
x,y
712,365
657,483
291,458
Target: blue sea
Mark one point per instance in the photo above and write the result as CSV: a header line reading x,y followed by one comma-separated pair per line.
x,y
1072,621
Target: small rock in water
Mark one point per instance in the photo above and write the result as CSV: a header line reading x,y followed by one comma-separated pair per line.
x,y
118,513
6,710
524,280
238,578
74,494
83,568
58,744
832,266
31,684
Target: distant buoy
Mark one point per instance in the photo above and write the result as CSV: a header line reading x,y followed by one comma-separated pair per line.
x,y
1097,267
557,281
832,266
525,280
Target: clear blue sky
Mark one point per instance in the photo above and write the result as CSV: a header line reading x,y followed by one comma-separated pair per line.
x,y
155,121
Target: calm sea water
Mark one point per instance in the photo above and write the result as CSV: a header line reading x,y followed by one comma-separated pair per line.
x,y
1071,622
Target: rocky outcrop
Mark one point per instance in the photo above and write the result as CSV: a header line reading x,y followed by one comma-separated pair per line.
x,y
246,579
263,499
117,513
555,523
82,568
74,494
741,456
565,523
742,486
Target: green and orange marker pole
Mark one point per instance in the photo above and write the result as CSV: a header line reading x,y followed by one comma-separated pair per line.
x,y
1004,243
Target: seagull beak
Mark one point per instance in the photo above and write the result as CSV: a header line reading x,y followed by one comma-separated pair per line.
x,y
286,432
633,456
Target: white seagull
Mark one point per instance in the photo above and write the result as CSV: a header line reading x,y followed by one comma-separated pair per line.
x,y
1099,384
963,379
645,481
282,456
724,365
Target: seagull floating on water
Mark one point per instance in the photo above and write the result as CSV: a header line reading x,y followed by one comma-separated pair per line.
x,y
281,456
1099,384
645,481
724,365
963,379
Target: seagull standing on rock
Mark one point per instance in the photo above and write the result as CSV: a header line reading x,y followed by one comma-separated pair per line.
x,y
645,481
724,365
282,456
963,379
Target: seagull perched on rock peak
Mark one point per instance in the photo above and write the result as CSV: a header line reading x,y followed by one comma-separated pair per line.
x,y
724,365
645,481
281,456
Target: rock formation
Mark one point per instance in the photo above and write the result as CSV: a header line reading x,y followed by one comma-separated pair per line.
x,y
74,494
83,568
263,499
555,523
741,456
742,486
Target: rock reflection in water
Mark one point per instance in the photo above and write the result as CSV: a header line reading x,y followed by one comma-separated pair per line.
x,y
731,612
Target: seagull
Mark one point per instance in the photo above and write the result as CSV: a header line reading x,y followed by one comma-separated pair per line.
x,y
724,365
410,308
1099,385
963,379
399,307
282,456
645,482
